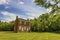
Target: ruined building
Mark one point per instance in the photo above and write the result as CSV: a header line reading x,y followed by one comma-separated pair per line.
x,y
21,25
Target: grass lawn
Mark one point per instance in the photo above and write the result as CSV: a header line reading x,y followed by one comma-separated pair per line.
x,y
29,36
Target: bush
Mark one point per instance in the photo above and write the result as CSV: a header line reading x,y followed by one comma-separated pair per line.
x,y
7,27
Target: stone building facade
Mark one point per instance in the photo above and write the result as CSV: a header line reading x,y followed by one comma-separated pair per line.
x,y
21,25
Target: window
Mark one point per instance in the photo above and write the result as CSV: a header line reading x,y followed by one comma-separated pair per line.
x,y
22,29
25,23
27,29
20,22
19,27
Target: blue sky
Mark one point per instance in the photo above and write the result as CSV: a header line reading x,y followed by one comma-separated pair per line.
x,y
26,9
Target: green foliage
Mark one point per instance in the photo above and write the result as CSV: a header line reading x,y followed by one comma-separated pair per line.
x,y
49,4
4,26
46,22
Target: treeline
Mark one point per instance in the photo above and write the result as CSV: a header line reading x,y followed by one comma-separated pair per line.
x,y
46,23
4,26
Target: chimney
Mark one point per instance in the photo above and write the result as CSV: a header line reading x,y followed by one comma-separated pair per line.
x,y
27,19
16,17
16,28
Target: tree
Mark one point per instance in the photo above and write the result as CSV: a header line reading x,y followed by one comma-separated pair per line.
x,y
53,4
46,22
4,26
34,26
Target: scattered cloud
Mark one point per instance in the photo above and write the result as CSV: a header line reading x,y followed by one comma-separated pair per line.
x,y
20,2
32,15
8,16
3,1
29,10
33,0
5,13
52,2
49,9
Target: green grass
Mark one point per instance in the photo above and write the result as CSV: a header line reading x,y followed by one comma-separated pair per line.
x,y
29,36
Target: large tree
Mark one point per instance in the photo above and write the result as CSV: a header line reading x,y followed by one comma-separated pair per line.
x,y
53,4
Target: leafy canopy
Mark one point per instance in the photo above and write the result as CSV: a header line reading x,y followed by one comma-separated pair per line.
x,y
53,4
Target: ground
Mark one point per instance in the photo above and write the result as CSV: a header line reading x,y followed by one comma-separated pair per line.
x,y
29,36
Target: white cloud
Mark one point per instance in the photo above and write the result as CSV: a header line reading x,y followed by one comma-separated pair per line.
x,y
33,0
8,16
3,1
33,15
52,2
28,8
20,2
31,11
49,9
5,13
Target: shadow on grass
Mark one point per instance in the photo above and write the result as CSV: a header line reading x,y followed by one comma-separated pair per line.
x,y
58,32
8,31
29,32
55,32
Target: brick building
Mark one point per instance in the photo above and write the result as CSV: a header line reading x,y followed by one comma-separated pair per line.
x,y
21,25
